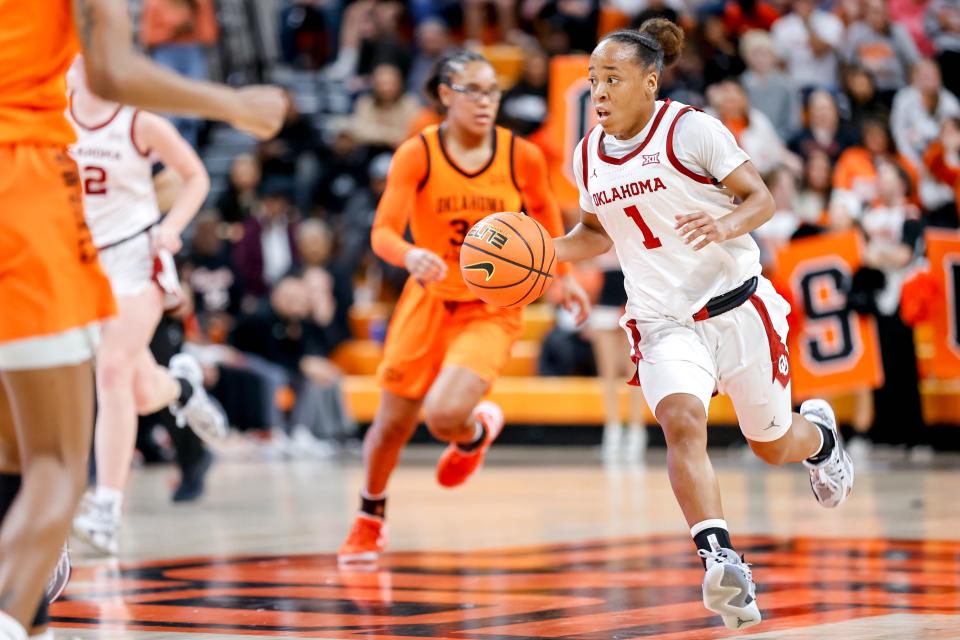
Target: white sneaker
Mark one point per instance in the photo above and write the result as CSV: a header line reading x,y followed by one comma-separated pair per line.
x,y
10,629
729,590
832,479
612,440
61,576
98,526
636,443
201,413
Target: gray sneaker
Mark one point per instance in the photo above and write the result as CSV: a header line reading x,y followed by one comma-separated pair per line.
x,y
729,590
201,413
832,479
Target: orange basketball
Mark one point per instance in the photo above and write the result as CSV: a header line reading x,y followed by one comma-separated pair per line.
x,y
508,260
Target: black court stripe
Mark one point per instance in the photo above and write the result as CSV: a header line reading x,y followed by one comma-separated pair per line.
x,y
507,260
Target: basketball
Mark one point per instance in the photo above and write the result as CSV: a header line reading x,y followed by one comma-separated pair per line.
x,y
508,260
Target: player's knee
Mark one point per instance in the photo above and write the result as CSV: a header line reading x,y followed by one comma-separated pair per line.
x,y
114,370
389,434
446,420
683,426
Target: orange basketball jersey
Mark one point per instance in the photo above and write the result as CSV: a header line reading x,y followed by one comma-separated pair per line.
x,y
37,45
450,201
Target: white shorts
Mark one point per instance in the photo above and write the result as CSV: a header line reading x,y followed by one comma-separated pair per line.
x,y
129,265
46,352
729,354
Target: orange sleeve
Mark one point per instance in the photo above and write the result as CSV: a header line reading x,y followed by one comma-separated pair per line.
x,y
531,174
407,170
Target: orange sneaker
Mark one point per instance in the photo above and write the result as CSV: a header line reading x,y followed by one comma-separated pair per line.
x,y
456,465
366,541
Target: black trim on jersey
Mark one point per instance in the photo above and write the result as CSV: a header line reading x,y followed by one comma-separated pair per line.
x,y
443,150
426,176
513,172
121,241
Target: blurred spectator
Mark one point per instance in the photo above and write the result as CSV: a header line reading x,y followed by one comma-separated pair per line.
x,y
236,203
814,195
777,231
329,287
808,40
176,33
291,156
282,335
718,51
210,273
740,16
849,11
749,126
942,161
523,107
824,131
769,91
885,49
860,96
475,19
892,231
306,40
433,38
357,220
383,117
344,167
562,26
910,15
919,110
382,39
267,249
855,179
942,23
657,9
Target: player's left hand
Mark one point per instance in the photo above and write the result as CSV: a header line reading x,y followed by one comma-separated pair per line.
x,y
702,227
573,298
166,239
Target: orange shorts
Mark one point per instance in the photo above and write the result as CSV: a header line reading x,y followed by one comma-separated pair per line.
x,y
427,333
50,277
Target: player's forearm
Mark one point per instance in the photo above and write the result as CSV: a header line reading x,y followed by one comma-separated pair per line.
x,y
582,243
118,72
756,209
192,194
389,246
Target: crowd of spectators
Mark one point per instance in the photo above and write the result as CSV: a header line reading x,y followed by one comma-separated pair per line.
x,y
847,107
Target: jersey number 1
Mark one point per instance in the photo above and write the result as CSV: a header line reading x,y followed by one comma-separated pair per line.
x,y
650,241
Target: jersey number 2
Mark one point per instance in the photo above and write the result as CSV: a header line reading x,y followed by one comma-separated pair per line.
x,y
650,241
94,181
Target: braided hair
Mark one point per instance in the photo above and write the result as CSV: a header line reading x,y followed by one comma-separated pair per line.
x,y
657,43
444,69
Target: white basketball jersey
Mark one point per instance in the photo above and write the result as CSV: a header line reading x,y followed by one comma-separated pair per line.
x,y
118,194
637,198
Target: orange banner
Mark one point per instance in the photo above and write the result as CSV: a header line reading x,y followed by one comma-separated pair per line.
x,y
833,351
943,250
570,117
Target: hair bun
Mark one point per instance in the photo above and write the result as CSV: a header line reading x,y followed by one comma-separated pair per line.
x,y
668,34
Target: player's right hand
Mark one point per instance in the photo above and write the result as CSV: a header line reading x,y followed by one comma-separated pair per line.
x,y
261,110
425,266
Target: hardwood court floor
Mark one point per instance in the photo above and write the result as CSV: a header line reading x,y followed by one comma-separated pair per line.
x,y
544,543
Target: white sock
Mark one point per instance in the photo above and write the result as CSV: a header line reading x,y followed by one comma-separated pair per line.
x,y
636,426
112,497
10,629
715,523
46,635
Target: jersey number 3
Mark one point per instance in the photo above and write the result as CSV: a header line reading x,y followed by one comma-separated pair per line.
x,y
650,241
94,181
